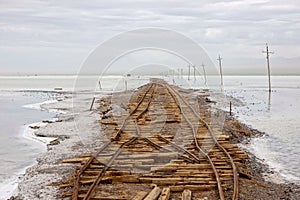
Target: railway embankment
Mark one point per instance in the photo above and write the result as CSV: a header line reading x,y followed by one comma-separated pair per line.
x,y
156,142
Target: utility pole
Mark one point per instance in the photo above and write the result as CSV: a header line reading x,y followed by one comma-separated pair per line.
x,y
125,85
189,72
194,72
99,83
268,63
181,72
173,73
204,73
220,64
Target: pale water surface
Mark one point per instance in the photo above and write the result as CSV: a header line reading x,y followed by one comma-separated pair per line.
x,y
276,114
16,152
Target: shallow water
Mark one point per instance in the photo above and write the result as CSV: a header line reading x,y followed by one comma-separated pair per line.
x,y
276,114
16,152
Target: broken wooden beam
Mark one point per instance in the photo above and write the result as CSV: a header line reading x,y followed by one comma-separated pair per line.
x,y
186,195
165,194
140,195
154,194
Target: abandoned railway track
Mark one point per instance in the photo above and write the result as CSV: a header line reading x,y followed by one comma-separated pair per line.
x,y
163,148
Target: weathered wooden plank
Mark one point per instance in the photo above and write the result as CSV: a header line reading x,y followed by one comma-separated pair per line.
x,y
186,195
75,160
154,194
126,178
109,123
85,155
180,188
162,180
99,197
140,195
165,194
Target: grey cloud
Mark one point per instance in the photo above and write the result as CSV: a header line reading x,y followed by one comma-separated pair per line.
x,y
76,27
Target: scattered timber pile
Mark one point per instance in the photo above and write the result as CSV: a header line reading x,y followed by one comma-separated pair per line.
x,y
164,147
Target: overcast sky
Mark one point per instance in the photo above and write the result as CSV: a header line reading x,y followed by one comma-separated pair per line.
x,y
38,36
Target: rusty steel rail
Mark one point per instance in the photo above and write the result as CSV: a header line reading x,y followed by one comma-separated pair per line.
x,y
191,157
194,132
179,148
235,175
117,153
83,168
157,146
89,161
102,172
133,111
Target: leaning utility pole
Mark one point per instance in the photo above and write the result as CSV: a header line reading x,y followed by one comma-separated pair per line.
x,y
220,64
204,73
268,63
